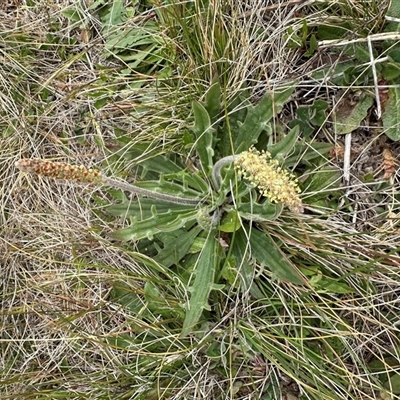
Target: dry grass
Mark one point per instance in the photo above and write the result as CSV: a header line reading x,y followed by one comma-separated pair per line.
x,y
56,268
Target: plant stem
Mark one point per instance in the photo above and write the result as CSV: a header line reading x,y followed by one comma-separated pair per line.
x,y
216,172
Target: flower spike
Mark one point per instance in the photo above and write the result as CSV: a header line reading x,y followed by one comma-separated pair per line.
x,y
279,185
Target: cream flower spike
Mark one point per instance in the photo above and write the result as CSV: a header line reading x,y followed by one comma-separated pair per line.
x,y
279,185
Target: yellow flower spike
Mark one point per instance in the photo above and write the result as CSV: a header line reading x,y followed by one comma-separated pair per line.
x,y
269,178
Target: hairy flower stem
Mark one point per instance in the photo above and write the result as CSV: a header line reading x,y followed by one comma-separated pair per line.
x,y
59,170
216,171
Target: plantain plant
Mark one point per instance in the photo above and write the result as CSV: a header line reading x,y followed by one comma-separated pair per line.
x,y
205,223
236,180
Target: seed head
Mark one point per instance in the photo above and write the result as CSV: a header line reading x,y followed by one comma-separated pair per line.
x,y
59,170
264,173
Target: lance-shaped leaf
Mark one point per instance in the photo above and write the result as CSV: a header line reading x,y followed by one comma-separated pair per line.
x,y
322,183
391,114
158,304
144,208
257,119
161,165
266,211
281,149
196,182
213,100
147,228
177,247
307,152
230,222
267,253
203,283
349,114
241,254
204,136
236,114
149,160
